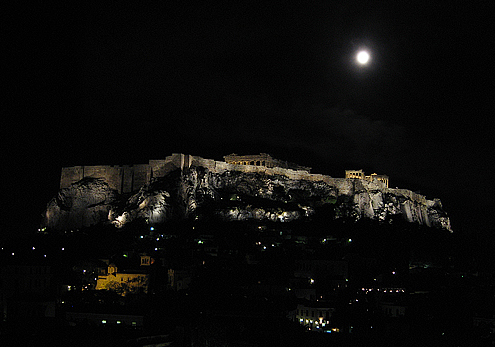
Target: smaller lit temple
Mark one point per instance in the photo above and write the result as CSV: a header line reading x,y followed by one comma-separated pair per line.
x,y
361,175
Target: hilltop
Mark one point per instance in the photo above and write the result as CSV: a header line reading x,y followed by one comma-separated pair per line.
x,y
188,187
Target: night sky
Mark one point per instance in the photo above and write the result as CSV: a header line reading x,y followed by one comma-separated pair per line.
x,y
117,84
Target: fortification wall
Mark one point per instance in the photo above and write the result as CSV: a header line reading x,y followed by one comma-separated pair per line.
x,y
71,175
129,178
162,167
142,175
111,174
409,195
123,179
134,176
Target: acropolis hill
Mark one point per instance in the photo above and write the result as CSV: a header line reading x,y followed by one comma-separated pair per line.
x,y
175,187
128,178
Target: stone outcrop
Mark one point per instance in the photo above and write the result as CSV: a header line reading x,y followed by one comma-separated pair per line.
x,y
83,204
229,194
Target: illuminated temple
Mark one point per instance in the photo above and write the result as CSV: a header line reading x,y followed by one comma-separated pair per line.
x,y
361,175
262,159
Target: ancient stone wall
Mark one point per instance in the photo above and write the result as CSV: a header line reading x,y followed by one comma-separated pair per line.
x,y
161,167
128,178
142,175
123,179
71,175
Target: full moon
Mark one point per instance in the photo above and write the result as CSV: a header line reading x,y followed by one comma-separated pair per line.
x,y
363,57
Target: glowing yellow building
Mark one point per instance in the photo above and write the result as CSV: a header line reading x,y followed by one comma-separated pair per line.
x,y
359,174
123,282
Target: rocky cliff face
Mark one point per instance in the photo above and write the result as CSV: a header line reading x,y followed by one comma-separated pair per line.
x,y
84,204
235,195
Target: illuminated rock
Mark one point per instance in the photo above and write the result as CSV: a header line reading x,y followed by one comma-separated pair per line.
x,y
278,198
231,192
83,204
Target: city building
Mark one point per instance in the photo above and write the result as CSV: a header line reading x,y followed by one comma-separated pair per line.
x,y
315,316
123,282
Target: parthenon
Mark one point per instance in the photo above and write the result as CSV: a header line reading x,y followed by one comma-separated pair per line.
x,y
262,159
